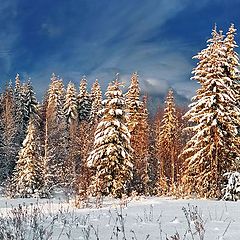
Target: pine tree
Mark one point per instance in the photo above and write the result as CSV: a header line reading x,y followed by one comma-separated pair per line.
x,y
84,102
26,107
30,102
84,138
168,147
138,127
231,69
55,139
71,113
20,111
70,105
96,96
27,179
111,156
213,148
153,158
10,146
133,102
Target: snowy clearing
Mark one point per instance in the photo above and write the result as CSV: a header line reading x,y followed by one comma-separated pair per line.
x,y
146,218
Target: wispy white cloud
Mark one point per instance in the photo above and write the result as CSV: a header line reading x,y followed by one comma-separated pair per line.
x,y
51,30
118,45
110,37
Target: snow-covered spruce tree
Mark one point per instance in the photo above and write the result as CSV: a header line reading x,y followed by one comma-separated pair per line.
x,y
30,102
71,113
153,159
27,178
85,140
55,137
26,106
133,103
231,69
21,125
213,148
168,148
111,156
10,141
84,137
84,101
138,127
70,105
96,96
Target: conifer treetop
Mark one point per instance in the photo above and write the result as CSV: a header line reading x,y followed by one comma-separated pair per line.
x,y
96,96
233,59
84,101
17,82
169,121
111,156
213,148
70,106
134,89
83,87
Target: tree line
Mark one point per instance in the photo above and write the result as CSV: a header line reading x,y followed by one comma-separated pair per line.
x,y
87,144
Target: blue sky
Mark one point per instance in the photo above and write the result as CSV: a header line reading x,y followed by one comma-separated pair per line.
x,y
99,38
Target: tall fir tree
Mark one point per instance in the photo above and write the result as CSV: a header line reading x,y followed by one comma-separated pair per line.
x,y
86,139
84,101
26,107
111,156
153,160
30,103
11,144
232,67
213,148
71,113
138,127
84,136
70,105
55,137
133,103
168,144
96,96
19,110
27,178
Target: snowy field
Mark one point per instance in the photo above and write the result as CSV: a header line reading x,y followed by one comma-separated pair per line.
x,y
145,218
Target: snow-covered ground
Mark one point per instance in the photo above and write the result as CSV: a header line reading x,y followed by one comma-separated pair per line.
x,y
145,218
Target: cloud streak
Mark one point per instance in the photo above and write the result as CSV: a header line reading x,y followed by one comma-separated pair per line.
x,y
118,43
99,38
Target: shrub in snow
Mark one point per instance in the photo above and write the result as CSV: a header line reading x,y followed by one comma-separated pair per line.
x,y
232,189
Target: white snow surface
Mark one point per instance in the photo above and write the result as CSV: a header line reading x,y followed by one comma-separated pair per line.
x,y
142,218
